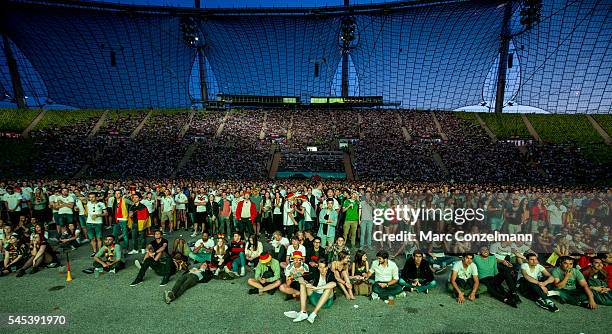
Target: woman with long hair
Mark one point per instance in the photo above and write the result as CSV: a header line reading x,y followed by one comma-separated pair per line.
x,y
277,213
253,249
359,271
340,268
266,214
41,254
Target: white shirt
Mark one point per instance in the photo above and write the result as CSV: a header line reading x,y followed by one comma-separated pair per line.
x,y
307,213
200,202
535,273
180,199
246,209
287,210
80,207
168,203
148,203
464,273
12,200
556,214
317,194
208,244
500,251
67,199
322,283
95,208
291,249
385,274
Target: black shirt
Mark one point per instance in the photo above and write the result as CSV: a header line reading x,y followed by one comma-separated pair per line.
x,y
159,245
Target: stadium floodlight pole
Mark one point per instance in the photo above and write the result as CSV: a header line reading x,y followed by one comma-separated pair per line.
x,y
345,61
14,72
502,67
202,71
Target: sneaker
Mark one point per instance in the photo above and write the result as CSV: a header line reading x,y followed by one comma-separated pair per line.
x,y
541,303
408,289
167,298
193,235
20,273
85,241
551,306
402,294
552,293
92,255
51,265
112,271
291,314
374,296
136,282
301,317
242,271
34,270
511,302
312,317
165,281
137,264
88,271
516,298
132,252
72,247
142,251
253,291
97,272
426,291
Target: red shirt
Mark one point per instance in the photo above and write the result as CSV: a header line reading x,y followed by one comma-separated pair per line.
x,y
608,268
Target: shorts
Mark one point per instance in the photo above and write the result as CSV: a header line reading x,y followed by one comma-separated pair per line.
x,y
63,219
167,216
295,285
315,297
94,231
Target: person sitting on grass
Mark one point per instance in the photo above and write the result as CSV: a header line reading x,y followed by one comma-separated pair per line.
x,y
203,249
492,278
533,282
567,279
319,291
41,255
189,279
278,248
417,274
340,268
464,279
386,278
267,275
295,246
597,278
314,253
108,258
68,239
253,250
359,273
15,254
293,273
156,257
236,250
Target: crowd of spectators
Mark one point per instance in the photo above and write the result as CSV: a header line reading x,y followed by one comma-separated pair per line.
x,y
312,161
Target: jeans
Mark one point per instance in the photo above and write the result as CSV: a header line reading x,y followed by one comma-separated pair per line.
x,y
494,285
119,228
138,238
418,288
366,233
117,266
184,283
530,290
385,293
163,267
239,262
225,225
496,223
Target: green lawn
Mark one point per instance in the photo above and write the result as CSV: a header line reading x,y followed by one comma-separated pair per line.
x,y
66,118
17,119
506,126
565,128
605,121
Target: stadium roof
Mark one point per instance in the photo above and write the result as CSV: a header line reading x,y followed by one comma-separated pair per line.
x,y
424,54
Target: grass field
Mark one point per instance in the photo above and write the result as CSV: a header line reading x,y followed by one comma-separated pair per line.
x,y
109,305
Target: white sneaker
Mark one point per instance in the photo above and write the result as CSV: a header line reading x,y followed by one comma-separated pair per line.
x,y
311,317
112,271
132,252
142,251
217,272
375,296
137,264
552,293
402,295
291,314
242,273
301,317
193,235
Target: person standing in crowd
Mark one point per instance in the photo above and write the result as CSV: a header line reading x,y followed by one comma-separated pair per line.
x,y
290,223
246,212
212,212
556,216
121,219
266,215
12,204
328,218
200,203
140,221
366,214
180,200
168,212
352,211
225,213
96,211
65,208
